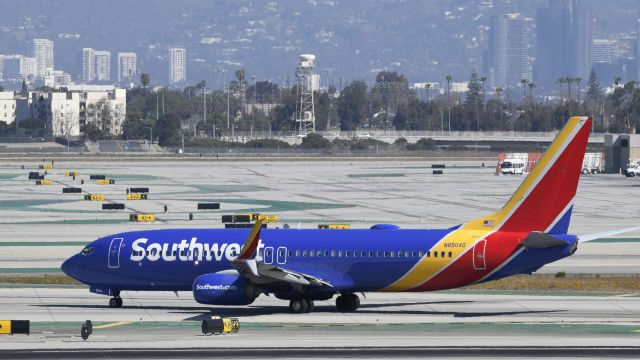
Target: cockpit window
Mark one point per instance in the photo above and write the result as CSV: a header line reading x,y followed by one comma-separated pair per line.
x,y
87,250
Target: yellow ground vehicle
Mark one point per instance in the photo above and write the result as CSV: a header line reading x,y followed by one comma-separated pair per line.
x,y
106,182
334,226
72,173
266,218
44,182
136,196
142,217
94,197
46,166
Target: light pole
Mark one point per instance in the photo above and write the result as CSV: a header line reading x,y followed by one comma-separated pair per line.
x,y
448,99
253,103
226,86
150,135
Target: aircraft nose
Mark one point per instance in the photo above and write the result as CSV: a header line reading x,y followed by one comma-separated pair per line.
x,y
70,266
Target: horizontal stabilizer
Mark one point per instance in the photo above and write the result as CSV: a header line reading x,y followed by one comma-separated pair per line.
x,y
540,240
604,234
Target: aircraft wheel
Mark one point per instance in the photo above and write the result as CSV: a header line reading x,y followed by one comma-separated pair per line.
x,y
310,306
347,302
113,303
119,302
297,306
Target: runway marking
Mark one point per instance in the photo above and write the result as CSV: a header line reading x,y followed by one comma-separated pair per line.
x,y
118,323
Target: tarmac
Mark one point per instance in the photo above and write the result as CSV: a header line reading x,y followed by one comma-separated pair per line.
x,y
40,227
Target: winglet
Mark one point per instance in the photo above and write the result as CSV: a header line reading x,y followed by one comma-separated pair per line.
x,y
251,245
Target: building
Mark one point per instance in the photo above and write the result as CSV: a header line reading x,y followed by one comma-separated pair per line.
x,y
553,39
127,67
582,38
103,66
57,78
178,65
88,64
7,107
603,51
43,53
67,112
11,68
28,68
508,61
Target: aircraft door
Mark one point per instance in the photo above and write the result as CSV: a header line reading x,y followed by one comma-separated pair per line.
x,y
282,255
479,255
114,253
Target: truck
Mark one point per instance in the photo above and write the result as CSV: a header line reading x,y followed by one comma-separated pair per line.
x,y
633,170
512,166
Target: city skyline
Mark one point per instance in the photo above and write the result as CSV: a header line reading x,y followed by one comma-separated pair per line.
x,y
519,54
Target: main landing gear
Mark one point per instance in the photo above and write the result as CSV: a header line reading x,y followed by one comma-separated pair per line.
x,y
116,300
347,302
301,305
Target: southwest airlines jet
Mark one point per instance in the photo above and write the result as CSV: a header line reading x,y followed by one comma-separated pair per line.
x,y
235,266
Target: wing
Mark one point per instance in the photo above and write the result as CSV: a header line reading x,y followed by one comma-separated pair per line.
x,y
247,265
595,236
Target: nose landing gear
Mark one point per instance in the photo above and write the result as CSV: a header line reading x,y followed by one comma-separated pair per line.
x,y
116,300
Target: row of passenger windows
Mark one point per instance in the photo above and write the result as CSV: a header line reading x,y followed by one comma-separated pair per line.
x,y
316,253
360,254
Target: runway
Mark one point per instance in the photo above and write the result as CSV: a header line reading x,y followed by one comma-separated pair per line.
x,y
40,227
462,320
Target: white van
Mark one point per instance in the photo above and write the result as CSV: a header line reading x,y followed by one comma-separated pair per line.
x,y
512,166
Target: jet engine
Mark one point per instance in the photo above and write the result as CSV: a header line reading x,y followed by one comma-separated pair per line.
x,y
224,289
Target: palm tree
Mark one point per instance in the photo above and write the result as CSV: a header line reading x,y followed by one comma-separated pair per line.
x,y
145,79
569,80
483,79
616,80
578,80
531,86
524,88
499,92
560,82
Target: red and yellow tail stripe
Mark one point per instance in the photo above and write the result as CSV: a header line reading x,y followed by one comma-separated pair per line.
x,y
540,200
251,245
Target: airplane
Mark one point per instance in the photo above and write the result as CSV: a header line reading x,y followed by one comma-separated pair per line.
x,y
235,266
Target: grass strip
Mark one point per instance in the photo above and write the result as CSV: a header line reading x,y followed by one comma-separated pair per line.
x,y
563,282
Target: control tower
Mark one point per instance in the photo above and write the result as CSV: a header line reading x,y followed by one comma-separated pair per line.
x,y
305,115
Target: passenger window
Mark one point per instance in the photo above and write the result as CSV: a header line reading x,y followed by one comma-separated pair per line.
x,y
289,253
319,254
333,253
393,254
378,253
442,254
406,254
312,254
346,253
420,253
450,254
370,254
385,254
363,253
326,253
339,253
399,254
435,254
297,253
304,253
355,254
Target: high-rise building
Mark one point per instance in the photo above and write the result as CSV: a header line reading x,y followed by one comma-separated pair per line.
x,y
27,68
88,64
127,66
564,41
178,65
553,39
43,53
103,65
508,60
603,51
582,38
10,68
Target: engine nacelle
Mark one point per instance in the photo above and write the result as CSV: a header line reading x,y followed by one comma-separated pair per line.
x,y
224,289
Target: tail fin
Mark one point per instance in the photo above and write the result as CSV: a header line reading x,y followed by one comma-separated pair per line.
x,y
544,200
